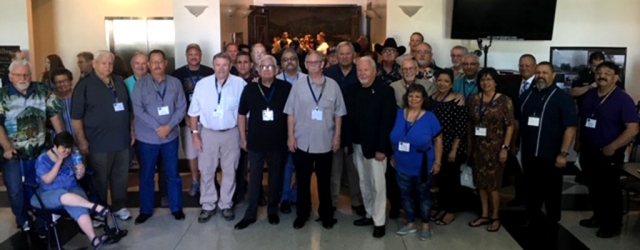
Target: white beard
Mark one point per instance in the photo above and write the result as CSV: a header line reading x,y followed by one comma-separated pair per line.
x,y
23,86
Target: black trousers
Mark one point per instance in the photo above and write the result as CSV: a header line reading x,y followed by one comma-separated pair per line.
x,y
512,167
449,183
275,162
602,176
241,178
305,163
543,184
393,191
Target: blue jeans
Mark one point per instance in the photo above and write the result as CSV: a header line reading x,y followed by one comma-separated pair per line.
x,y
148,158
408,185
12,173
289,191
51,200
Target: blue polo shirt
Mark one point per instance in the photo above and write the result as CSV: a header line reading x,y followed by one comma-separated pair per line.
x,y
335,72
467,87
611,116
556,112
66,178
420,137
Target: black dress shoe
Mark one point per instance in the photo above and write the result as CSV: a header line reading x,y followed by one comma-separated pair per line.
x,y
589,223
244,223
142,218
285,207
299,222
378,232
394,213
359,210
179,215
274,219
607,233
328,224
363,222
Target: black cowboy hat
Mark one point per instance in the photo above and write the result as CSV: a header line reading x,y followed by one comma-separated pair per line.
x,y
390,43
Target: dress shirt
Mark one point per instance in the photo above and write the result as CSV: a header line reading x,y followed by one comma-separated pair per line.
x,y
207,98
526,84
149,97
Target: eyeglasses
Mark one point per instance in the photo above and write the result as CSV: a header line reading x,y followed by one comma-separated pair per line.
x,y
21,75
156,62
423,52
63,81
469,64
267,67
289,59
408,69
388,51
313,63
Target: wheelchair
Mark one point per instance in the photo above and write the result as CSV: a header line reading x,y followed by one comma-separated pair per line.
x,y
49,216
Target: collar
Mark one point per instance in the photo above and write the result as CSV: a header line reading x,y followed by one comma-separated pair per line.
x,y
529,80
32,88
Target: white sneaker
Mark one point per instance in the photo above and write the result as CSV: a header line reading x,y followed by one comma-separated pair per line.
x,y
98,221
123,214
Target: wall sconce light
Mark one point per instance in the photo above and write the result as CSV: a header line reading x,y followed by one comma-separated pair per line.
x,y
372,14
196,10
410,10
245,13
229,11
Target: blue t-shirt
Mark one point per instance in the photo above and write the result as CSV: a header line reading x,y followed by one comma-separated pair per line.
x,y
66,178
420,137
611,116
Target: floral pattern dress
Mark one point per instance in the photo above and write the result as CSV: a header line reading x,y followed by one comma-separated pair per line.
x,y
487,168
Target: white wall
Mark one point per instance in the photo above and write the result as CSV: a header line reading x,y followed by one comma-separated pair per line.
x,y
72,26
204,29
235,23
577,23
309,2
379,25
14,23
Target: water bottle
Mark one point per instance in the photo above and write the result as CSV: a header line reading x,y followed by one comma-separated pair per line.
x,y
77,157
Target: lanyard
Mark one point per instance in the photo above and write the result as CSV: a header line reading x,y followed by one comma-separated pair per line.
x,y
482,111
112,88
437,103
324,83
270,95
603,100
284,75
197,78
220,91
158,91
535,109
409,125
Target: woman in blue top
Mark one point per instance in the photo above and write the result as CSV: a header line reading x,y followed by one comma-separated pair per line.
x,y
59,187
416,131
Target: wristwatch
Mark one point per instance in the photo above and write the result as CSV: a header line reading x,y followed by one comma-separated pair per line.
x,y
564,153
505,147
195,132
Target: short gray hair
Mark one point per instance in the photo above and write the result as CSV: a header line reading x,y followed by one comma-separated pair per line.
x,y
138,53
413,61
19,63
288,50
345,43
101,53
472,55
460,47
268,57
222,55
368,59
314,52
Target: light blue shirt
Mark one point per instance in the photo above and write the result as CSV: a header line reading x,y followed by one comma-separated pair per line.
x,y
467,87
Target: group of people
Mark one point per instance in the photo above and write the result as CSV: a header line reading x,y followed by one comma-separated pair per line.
x,y
394,127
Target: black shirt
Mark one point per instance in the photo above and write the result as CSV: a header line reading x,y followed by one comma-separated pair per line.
x,y
189,79
93,103
556,112
335,72
371,114
265,135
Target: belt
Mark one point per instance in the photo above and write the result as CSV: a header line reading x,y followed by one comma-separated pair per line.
x,y
223,130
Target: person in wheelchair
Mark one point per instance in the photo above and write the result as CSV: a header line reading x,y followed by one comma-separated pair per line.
x,y
57,176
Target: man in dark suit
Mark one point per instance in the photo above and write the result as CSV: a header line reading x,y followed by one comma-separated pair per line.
x,y
526,67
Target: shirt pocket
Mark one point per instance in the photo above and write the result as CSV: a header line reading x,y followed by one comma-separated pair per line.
x,y
327,104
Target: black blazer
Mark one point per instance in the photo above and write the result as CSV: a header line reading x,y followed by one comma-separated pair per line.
x,y
371,114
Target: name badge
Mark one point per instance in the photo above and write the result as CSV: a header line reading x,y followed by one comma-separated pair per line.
x,y
534,121
267,115
480,131
164,110
118,106
316,115
217,113
404,146
591,123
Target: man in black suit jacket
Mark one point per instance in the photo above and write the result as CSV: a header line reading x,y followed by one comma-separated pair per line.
x,y
371,114
526,67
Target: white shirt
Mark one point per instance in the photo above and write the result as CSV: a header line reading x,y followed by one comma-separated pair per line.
x,y
287,78
528,82
323,48
205,102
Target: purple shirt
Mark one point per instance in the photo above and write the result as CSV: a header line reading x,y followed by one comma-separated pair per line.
x,y
611,116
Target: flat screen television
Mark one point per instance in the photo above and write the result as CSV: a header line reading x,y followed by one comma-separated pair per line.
x,y
503,19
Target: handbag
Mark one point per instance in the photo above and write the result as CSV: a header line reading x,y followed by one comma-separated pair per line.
x,y
466,176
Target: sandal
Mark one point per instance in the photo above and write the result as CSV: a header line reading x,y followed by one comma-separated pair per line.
x,y
439,215
441,222
477,223
98,241
102,213
492,223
